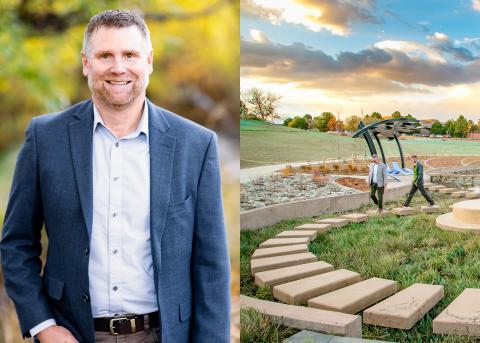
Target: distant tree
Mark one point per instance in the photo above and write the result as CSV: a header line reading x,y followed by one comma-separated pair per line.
x,y
261,104
372,118
396,115
287,121
340,126
410,117
332,124
470,124
376,115
299,123
474,128
449,127
351,123
320,123
308,118
437,129
461,127
243,110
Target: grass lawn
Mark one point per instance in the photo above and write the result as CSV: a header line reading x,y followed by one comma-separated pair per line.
x,y
264,143
405,249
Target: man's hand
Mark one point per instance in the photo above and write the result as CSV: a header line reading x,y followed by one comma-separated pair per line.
x,y
56,334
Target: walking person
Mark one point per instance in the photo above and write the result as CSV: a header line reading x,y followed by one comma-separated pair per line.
x,y
417,183
377,179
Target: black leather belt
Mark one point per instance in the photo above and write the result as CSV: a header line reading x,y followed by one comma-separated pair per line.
x,y
127,324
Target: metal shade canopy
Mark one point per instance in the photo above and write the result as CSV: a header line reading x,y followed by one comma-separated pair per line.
x,y
389,128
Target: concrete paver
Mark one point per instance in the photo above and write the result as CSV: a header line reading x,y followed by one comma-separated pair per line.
x,y
336,222
306,336
375,213
430,209
278,251
302,318
314,226
278,242
311,234
275,277
403,211
404,309
448,190
472,195
356,297
299,291
462,316
268,263
459,194
355,217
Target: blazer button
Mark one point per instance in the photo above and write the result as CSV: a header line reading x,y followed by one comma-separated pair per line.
x,y
86,251
86,299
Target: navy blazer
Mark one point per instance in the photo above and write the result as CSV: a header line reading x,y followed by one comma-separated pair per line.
x,y
52,186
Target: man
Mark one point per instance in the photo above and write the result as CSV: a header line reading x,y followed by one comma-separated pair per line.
x,y
377,179
417,182
130,197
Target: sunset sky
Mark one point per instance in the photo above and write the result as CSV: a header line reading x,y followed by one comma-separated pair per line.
x,y
418,57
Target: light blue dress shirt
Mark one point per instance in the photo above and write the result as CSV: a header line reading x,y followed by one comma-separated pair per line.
x,y
120,262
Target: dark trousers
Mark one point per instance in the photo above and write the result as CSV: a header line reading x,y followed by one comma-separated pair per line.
x,y
422,190
379,190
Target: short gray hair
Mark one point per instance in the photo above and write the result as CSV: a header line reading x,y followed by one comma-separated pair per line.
x,y
118,19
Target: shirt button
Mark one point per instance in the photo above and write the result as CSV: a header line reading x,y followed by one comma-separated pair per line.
x,y
86,251
115,288
86,298
115,178
116,144
115,251
114,214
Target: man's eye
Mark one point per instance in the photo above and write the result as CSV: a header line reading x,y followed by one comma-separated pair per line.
x,y
104,56
129,56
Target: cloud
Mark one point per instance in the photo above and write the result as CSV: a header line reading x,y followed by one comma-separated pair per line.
x,y
390,69
258,36
335,16
441,42
476,5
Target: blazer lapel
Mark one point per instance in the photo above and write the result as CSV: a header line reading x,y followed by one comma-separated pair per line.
x,y
162,147
81,143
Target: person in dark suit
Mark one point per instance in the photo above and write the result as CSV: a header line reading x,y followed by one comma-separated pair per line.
x,y
417,183
377,180
130,197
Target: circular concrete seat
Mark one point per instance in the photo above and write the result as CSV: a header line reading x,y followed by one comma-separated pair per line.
x,y
465,217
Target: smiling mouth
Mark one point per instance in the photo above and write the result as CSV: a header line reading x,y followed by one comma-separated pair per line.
x,y
121,83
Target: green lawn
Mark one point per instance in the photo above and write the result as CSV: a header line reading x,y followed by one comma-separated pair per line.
x,y
264,143
406,249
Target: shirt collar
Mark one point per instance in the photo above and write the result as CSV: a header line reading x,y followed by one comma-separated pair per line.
x,y
142,125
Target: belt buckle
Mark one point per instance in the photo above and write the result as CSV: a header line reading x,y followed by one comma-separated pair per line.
x,y
112,321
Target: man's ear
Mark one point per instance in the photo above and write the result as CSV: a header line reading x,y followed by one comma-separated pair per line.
x,y
84,64
150,62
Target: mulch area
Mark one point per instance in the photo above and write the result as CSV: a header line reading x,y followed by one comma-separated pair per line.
x,y
352,182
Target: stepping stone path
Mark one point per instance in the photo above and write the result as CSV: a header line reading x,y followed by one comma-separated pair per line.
x,y
278,242
430,209
267,263
275,277
298,292
459,194
462,316
357,297
404,309
355,217
473,195
311,234
448,190
375,213
300,317
335,222
318,227
279,251
403,211
436,188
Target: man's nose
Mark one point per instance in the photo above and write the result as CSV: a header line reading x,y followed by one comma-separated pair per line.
x,y
118,65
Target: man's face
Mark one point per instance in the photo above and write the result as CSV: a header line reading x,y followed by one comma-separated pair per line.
x,y
375,159
118,65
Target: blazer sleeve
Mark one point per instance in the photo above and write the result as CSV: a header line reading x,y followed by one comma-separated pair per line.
x,y
385,176
210,261
20,246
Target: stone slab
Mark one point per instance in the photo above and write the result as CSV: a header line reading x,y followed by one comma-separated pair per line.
x,y
430,209
404,309
448,190
268,263
436,187
307,336
355,217
275,277
356,297
375,213
302,318
403,211
311,234
462,316
473,195
278,242
459,194
299,291
314,226
336,222
279,251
